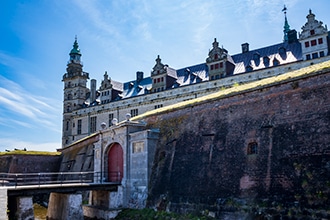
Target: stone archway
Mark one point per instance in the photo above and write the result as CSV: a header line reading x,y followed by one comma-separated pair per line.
x,y
115,163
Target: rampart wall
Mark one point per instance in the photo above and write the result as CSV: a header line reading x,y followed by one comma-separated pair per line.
x,y
265,146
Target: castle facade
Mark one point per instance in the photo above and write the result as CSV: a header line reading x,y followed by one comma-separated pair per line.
x,y
85,109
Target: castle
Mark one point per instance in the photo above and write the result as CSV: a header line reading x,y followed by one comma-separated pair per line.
x,y
85,109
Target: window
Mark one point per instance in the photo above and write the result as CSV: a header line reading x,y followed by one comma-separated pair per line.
x,y
212,67
158,106
216,66
158,80
221,64
155,81
134,112
162,79
313,42
322,54
138,147
320,40
308,57
315,55
215,56
79,126
312,32
93,124
252,148
307,44
110,119
67,125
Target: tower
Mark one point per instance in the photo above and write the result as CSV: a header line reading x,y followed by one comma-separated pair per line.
x,y
75,91
313,38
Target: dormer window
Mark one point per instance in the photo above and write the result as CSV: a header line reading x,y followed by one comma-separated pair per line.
x,y
256,58
282,52
266,61
276,62
249,68
215,56
312,32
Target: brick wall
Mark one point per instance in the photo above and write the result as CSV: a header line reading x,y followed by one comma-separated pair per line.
x,y
271,144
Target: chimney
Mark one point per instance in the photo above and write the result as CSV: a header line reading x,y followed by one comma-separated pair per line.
x,y
245,48
292,36
93,91
139,76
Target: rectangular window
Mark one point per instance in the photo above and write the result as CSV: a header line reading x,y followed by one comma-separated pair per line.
x,y
110,119
307,44
79,127
312,32
212,67
308,57
93,124
216,66
155,81
138,147
315,55
320,40
221,65
162,79
158,106
322,54
134,112
313,42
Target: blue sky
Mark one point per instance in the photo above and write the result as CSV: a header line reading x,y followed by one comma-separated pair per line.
x,y
120,37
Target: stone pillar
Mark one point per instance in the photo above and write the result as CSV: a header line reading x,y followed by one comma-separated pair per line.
x,y
3,203
65,206
20,208
104,204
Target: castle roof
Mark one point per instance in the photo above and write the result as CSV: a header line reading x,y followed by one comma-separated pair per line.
x,y
266,57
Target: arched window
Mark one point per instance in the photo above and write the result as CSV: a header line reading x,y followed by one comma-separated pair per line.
x,y
252,148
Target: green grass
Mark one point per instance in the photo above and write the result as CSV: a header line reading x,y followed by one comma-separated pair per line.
x,y
237,89
23,152
136,214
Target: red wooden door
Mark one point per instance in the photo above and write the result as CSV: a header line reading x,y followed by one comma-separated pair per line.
x,y
115,163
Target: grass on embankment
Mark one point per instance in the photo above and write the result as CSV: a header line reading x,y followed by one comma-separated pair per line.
x,y
23,152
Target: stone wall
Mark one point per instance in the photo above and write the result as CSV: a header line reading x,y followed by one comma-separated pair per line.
x,y
20,163
268,146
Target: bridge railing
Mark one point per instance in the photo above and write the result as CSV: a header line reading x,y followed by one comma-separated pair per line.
x,y
25,179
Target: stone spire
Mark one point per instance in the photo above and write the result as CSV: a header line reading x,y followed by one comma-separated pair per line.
x,y
286,25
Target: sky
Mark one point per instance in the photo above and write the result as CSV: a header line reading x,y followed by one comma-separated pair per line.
x,y
120,37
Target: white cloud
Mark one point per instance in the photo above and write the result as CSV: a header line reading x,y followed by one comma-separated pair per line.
x,y
14,99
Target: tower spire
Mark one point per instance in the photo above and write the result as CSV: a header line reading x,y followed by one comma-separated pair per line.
x,y
75,52
286,25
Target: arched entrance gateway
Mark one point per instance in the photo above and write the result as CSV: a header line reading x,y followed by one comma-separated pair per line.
x,y
115,163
